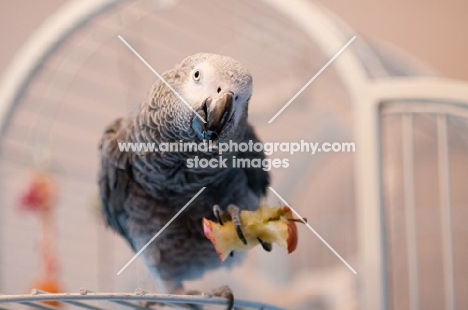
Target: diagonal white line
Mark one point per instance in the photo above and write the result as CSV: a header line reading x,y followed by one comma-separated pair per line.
x,y
161,78
313,230
160,231
311,80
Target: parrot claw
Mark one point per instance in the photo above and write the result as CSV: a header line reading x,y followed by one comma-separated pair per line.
x,y
225,292
217,212
235,216
267,246
240,234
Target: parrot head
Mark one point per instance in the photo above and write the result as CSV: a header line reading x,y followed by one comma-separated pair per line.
x,y
218,88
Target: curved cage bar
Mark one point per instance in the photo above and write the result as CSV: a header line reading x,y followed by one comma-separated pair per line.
x,y
385,97
42,43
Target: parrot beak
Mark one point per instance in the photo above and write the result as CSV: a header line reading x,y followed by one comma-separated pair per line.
x,y
218,113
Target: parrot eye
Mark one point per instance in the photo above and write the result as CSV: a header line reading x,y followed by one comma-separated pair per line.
x,y
197,75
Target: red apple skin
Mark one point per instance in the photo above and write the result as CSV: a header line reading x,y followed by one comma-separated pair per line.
x,y
208,230
292,231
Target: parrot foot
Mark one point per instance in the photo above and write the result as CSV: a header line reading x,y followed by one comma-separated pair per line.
x,y
223,291
233,213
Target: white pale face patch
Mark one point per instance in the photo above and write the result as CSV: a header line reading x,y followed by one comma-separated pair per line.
x,y
202,83
205,81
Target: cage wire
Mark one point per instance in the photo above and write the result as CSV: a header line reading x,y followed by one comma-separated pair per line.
x,y
79,77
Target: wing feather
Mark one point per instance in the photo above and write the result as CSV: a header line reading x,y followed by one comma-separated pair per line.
x,y
115,178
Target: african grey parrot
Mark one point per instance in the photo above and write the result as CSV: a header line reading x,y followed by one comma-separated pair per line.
x,y
141,192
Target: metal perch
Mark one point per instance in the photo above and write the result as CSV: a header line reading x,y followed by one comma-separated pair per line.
x,y
124,299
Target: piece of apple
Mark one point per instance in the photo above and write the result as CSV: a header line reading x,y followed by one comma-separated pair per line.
x,y
271,225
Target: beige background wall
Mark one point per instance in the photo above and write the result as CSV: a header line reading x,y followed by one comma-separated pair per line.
x,y
435,31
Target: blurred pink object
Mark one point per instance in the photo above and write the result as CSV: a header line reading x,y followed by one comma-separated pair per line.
x,y
41,194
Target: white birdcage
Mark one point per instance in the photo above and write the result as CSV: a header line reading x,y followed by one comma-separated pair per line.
x,y
394,209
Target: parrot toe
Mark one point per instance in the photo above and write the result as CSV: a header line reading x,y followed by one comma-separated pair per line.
x,y
267,246
218,214
225,292
234,211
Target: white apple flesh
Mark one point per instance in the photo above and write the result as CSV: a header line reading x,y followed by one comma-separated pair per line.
x,y
271,225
